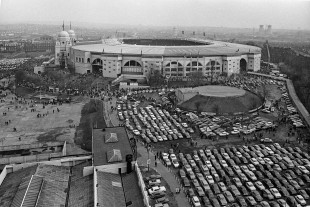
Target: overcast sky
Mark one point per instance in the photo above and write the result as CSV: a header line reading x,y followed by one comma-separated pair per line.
x,y
282,14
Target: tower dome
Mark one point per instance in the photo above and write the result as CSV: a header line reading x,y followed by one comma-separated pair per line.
x,y
63,36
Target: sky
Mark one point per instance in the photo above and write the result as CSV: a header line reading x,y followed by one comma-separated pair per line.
x,y
281,14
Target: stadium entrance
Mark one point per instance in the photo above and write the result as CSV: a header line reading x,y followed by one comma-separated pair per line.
x,y
97,66
243,65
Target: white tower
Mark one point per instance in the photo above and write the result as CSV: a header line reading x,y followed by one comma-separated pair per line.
x,y
62,48
72,36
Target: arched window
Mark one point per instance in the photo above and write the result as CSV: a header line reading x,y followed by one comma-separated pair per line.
x,y
132,63
88,60
174,69
194,66
97,61
213,66
82,60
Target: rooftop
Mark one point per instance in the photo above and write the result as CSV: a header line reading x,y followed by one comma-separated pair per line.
x,y
110,191
209,48
82,192
45,184
101,148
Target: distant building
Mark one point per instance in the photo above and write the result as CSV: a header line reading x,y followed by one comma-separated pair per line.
x,y
261,30
269,30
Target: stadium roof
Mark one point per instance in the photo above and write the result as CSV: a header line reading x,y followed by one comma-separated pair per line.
x,y
214,48
102,150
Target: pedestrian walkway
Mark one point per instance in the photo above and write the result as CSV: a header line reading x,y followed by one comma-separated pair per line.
x,y
181,198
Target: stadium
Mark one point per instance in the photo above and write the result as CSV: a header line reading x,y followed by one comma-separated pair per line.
x,y
137,59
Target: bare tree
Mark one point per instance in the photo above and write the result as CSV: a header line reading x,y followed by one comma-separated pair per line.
x,y
216,109
197,105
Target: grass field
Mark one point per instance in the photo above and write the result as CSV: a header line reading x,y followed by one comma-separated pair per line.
x,y
222,104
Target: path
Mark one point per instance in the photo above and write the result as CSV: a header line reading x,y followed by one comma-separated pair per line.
x,y
165,173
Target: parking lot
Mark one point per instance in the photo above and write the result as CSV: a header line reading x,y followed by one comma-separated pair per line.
x,y
257,175
222,160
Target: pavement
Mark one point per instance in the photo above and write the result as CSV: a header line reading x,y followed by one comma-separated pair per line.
x,y
110,116
165,172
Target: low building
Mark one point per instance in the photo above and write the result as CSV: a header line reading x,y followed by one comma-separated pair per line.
x,y
111,149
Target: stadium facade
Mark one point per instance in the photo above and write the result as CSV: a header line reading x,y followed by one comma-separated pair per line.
x,y
139,58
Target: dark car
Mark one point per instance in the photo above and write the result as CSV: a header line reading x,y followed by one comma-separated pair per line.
x,y
229,171
215,202
186,182
190,192
277,174
273,204
306,178
257,196
291,200
244,160
304,194
205,200
268,183
300,181
259,175
267,194
215,188
251,200
210,194
268,175
244,191
276,182
284,191
291,190
241,201
158,195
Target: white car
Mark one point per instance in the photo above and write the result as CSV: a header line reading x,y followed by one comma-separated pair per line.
x,y
275,192
136,132
250,186
168,162
267,160
154,182
175,163
173,157
165,155
210,179
156,189
303,169
254,161
195,201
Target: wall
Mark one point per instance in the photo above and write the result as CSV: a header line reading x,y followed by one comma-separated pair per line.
x,y
113,168
29,158
70,161
3,174
142,186
111,66
30,146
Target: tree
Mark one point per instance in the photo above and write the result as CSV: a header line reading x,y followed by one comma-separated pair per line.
x,y
197,105
20,76
196,77
216,109
265,92
156,79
